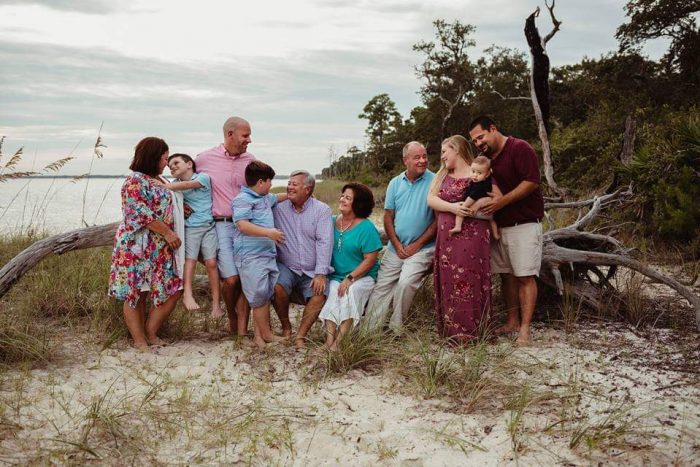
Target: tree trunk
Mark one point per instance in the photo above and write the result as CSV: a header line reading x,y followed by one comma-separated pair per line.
x,y
58,244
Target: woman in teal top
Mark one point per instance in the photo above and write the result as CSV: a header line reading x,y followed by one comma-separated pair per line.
x,y
356,245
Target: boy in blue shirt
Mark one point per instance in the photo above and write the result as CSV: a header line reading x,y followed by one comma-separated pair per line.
x,y
254,250
200,235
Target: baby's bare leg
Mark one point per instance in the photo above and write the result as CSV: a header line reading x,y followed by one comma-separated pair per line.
x,y
479,203
459,220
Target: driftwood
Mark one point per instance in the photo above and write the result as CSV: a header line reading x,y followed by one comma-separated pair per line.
x,y
79,239
578,256
568,253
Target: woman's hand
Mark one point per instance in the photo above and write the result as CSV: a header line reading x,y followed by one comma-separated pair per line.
x,y
343,287
173,240
458,209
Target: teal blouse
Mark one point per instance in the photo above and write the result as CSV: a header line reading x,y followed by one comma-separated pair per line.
x,y
349,248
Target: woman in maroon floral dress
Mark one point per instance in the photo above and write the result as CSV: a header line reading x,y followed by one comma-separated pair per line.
x,y
462,269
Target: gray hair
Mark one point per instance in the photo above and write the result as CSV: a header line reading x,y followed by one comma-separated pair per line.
x,y
232,122
408,146
309,180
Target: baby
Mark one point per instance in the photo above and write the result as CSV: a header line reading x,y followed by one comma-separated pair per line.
x,y
477,193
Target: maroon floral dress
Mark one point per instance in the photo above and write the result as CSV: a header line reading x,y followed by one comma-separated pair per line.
x,y
462,270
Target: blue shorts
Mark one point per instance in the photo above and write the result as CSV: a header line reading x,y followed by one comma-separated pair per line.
x,y
299,283
258,278
224,259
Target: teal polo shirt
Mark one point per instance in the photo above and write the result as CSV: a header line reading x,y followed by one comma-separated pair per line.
x,y
409,201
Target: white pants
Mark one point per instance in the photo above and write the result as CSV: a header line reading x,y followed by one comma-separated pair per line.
x,y
349,306
397,282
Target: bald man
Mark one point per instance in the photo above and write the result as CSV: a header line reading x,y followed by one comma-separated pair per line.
x,y
225,164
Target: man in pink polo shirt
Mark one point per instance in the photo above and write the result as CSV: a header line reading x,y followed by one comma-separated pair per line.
x,y
225,164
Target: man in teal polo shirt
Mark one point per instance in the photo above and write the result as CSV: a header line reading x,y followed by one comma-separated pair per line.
x,y
410,226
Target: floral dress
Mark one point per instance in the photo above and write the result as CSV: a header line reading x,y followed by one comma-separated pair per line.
x,y
462,270
142,261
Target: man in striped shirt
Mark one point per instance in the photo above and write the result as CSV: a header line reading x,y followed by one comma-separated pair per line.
x,y
304,259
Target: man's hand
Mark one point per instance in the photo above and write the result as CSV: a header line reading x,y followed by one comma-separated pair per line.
x,y
400,250
411,249
497,203
276,235
318,284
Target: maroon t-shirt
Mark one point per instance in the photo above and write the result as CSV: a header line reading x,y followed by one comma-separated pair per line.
x,y
517,162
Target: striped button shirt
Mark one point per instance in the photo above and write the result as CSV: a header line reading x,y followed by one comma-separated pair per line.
x,y
257,209
308,237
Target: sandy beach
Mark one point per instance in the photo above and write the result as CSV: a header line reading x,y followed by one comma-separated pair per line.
x,y
613,397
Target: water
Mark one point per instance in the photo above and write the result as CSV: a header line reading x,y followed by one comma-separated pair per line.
x,y
55,205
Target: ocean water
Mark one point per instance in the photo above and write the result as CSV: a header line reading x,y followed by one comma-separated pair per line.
x,y
55,205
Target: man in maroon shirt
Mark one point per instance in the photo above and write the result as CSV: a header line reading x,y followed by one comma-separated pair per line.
x,y
518,212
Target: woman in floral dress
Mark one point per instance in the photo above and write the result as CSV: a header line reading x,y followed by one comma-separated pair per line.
x,y
143,264
462,269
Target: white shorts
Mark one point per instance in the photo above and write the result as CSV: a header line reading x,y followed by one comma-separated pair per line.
x,y
519,251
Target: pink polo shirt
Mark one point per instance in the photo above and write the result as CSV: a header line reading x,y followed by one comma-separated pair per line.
x,y
227,174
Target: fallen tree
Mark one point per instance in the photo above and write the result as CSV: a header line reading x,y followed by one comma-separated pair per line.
x,y
569,254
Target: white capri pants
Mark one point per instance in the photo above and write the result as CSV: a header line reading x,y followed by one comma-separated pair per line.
x,y
349,306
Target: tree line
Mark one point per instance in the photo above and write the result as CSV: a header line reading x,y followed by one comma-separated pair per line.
x,y
591,105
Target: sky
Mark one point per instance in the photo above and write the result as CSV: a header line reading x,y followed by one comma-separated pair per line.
x,y
299,71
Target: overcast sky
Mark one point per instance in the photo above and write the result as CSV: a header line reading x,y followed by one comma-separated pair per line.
x,y
300,71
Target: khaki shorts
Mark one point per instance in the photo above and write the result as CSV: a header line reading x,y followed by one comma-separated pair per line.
x,y
519,251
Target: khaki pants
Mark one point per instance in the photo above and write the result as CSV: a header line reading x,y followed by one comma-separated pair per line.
x,y
397,283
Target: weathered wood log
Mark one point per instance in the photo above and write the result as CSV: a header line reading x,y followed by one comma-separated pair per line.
x,y
539,89
58,244
561,253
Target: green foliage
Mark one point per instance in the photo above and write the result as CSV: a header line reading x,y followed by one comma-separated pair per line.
x,y
666,175
672,19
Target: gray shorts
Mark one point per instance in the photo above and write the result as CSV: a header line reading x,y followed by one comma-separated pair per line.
x,y
258,278
224,260
201,239
299,283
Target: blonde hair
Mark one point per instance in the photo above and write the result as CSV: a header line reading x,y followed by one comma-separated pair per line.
x,y
466,151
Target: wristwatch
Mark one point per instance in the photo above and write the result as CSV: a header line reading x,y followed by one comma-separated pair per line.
x,y
349,277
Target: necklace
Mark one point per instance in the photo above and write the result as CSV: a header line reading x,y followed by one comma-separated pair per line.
x,y
342,230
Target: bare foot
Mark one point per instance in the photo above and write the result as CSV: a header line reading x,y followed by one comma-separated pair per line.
x,y
287,332
454,231
259,342
247,342
190,304
300,343
507,329
142,347
217,312
275,338
523,338
155,340
333,347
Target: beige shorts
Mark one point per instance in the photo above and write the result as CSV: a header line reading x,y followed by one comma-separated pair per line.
x,y
519,251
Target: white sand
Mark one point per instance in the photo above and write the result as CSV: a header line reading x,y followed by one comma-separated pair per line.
x,y
210,402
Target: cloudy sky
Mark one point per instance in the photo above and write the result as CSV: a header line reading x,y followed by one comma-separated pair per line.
x,y
300,71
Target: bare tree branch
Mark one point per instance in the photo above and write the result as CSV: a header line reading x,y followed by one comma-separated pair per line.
x,y
514,98
555,22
